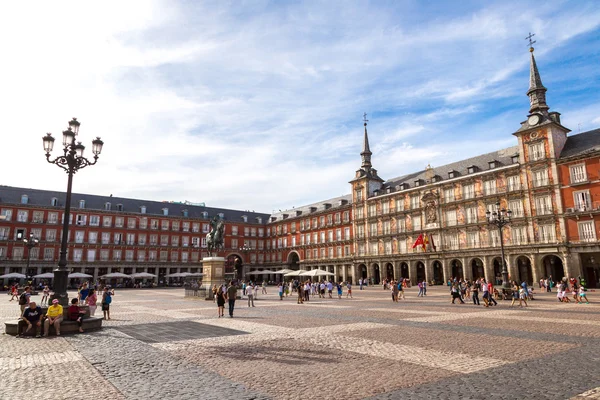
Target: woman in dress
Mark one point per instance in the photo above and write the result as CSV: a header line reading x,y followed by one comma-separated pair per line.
x,y
45,294
91,301
220,301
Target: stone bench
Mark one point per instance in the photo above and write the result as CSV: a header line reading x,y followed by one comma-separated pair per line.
x,y
66,326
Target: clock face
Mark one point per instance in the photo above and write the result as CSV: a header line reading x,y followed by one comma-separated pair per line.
x,y
533,119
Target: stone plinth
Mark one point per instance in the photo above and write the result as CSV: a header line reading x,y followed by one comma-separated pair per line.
x,y
213,269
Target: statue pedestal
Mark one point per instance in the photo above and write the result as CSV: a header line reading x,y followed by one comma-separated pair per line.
x,y
213,269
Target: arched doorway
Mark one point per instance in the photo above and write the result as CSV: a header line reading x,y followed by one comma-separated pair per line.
x,y
553,267
389,271
376,274
457,269
293,261
420,271
363,271
404,270
524,270
438,273
477,268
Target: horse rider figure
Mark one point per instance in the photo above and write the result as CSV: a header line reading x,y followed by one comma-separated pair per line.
x,y
214,238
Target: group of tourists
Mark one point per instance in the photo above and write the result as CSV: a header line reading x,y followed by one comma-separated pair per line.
x,y
33,315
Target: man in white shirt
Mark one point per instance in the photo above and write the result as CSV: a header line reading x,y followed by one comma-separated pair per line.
x,y
329,289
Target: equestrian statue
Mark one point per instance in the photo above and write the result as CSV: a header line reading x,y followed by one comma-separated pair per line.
x,y
214,238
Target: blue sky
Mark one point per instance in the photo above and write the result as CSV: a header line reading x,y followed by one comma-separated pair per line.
x,y
258,105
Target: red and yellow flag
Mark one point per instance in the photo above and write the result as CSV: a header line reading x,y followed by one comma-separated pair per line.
x,y
419,241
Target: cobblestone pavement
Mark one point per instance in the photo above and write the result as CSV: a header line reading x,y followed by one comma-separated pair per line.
x,y
160,345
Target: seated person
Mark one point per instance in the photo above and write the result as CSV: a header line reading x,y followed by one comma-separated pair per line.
x,y
54,317
32,316
74,313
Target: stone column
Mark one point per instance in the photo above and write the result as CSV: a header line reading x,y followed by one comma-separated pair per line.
x,y
396,265
535,267
412,272
447,270
428,271
344,272
573,265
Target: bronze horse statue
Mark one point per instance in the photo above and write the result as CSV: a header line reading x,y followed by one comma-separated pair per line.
x,y
214,239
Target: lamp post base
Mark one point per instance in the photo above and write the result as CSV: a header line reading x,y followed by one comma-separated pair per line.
x,y
60,287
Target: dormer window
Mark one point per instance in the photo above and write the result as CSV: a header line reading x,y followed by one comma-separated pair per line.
x,y
245,218
376,192
184,213
54,202
81,203
418,182
515,159
143,209
273,219
472,169
221,215
313,209
107,206
165,211
119,207
452,174
388,190
259,220
492,164
24,199
436,178
204,214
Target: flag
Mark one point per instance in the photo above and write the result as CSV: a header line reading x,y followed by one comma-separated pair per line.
x,y
425,242
432,243
419,241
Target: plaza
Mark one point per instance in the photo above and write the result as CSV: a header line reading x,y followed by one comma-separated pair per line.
x,y
160,345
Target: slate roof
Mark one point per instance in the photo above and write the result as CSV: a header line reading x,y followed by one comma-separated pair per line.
x,y
581,143
12,195
503,157
320,206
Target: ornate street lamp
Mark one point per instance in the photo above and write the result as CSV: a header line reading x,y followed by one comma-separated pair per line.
x,y
71,161
244,249
30,243
500,218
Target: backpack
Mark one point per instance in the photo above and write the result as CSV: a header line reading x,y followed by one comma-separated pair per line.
x,y
23,299
108,299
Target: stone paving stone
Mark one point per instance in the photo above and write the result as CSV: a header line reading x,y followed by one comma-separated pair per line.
x,y
477,345
175,331
564,328
142,372
289,369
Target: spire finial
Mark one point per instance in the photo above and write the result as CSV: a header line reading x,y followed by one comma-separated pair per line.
x,y
531,42
366,152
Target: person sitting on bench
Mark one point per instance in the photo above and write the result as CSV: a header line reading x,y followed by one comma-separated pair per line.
x,y
32,316
54,317
74,313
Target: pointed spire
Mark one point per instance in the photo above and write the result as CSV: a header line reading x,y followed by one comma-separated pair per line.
x,y
366,152
537,91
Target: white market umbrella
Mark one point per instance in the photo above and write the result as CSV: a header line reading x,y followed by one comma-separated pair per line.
x,y
260,272
76,275
115,275
283,271
143,275
294,273
13,275
47,275
316,272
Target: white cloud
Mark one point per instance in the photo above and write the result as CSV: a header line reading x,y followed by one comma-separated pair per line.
x,y
258,105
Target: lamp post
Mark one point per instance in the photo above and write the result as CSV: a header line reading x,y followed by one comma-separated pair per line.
x,y
500,218
244,249
72,160
30,243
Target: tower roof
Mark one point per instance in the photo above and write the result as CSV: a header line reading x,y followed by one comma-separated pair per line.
x,y
537,91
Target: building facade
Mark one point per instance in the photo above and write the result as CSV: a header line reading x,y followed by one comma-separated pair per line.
x,y
549,180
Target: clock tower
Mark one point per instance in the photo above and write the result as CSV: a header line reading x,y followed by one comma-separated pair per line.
x,y
366,180
541,125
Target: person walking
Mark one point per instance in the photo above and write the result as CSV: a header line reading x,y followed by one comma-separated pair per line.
x,y
475,292
420,285
106,300
490,294
250,294
348,290
45,294
231,295
264,287
214,292
339,289
301,294
220,299
280,291
395,291
455,292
